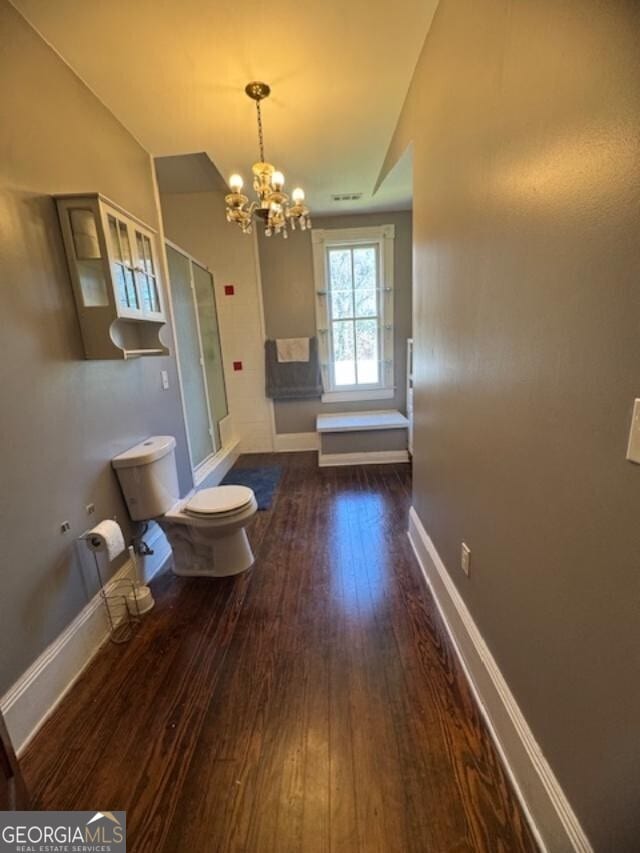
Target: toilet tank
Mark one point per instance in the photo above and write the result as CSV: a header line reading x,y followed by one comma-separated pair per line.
x,y
149,477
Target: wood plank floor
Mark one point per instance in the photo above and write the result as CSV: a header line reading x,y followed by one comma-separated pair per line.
x,y
312,704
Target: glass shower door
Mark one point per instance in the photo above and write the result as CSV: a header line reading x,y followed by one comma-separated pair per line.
x,y
211,347
190,360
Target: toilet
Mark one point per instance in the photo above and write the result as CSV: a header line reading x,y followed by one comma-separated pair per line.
x,y
206,530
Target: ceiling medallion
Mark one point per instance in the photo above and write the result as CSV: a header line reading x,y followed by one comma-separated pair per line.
x,y
274,207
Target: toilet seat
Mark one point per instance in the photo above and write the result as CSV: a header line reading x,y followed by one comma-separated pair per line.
x,y
219,502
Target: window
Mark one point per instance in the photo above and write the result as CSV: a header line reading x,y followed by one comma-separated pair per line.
x,y
353,271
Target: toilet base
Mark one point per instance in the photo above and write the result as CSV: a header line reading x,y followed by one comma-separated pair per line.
x,y
213,557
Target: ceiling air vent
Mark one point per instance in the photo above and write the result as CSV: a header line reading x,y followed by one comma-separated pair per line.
x,y
346,196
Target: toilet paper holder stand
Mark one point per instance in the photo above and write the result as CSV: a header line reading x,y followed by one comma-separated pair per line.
x,y
119,598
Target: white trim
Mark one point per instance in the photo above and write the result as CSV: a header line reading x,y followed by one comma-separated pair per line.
x,y
366,234
38,691
263,330
371,457
287,442
358,396
546,807
216,466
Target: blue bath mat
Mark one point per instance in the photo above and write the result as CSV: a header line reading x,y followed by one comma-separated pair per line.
x,y
263,481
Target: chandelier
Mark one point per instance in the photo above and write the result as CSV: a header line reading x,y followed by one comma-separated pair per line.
x,y
274,208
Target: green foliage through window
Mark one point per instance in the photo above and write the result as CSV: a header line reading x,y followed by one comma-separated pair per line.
x,y
355,314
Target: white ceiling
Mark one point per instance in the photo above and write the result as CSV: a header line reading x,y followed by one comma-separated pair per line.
x,y
174,71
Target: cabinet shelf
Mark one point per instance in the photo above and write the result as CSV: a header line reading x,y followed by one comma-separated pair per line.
x,y
117,282
136,353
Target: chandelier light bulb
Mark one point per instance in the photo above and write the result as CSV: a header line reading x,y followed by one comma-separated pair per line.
x,y
298,195
277,179
236,183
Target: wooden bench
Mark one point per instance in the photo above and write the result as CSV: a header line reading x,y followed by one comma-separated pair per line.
x,y
362,438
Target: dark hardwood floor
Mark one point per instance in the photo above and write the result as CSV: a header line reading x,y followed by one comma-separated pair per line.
x,y
311,704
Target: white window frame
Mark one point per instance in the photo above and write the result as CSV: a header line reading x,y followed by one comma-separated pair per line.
x,y
323,239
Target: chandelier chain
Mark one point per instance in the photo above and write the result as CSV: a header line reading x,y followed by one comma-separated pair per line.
x,y
260,136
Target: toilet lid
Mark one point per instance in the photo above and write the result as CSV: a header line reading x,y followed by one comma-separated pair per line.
x,y
220,499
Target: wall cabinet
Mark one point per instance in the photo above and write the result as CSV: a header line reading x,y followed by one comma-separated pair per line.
x,y
116,277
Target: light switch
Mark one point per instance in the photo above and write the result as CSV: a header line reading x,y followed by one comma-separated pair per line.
x,y
164,375
465,559
633,450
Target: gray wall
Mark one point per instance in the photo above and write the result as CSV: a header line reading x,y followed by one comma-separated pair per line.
x,y
61,418
289,306
525,119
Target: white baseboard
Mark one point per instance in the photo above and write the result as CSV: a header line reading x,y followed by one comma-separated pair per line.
x,y
548,811
285,442
372,457
36,694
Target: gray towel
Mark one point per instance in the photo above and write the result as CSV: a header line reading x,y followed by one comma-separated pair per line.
x,y
292,380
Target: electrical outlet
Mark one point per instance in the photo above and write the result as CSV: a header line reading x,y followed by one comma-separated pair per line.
x,y
465,559
65,527
164,378
90,508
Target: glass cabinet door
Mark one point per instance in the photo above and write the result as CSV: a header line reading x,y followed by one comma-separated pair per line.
x,y
123,266
146,274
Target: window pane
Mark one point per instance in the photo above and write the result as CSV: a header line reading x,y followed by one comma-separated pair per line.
x,y
152,287
132,294
340,269
364,267
344,353
366,303
124,243
121,284
143,286
148,255
341,303
367,351
115,243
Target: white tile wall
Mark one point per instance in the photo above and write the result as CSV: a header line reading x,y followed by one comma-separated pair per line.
x,y
242,336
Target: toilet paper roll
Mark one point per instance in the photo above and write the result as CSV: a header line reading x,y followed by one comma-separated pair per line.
x,y
106,538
